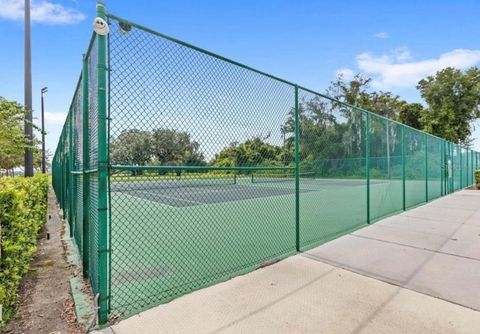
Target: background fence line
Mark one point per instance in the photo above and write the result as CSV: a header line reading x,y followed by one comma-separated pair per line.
x,y
178,168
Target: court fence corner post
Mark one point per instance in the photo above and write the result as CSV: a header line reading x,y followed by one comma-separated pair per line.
x,y
86,167
103,251
297,172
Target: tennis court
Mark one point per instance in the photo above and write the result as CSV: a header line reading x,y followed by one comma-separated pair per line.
x,y
178,168
221,225
176,191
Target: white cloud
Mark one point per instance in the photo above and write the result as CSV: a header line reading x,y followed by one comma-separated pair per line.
x,y
381,35
51,117
42,11
398,69
346,73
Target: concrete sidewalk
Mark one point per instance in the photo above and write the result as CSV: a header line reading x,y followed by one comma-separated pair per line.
x,y
417,272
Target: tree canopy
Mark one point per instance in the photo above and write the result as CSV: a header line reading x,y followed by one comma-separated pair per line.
x,y
332,135
164,147
12,138
357,92
453,100
253,152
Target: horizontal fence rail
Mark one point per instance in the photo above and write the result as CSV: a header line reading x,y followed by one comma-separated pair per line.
x,y
178,168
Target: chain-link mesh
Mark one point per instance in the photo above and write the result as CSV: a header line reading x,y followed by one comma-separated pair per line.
x,y
77,127
69,170
434,167
386,186
331,166
93,161
457,171
216,169
202,212
415,167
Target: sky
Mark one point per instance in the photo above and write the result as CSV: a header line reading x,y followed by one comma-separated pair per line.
x,y
307,42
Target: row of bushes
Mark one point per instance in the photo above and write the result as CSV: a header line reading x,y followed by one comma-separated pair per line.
x,y
477,179
23,208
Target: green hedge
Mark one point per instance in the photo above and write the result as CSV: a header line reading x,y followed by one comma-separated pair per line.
x,y
477,178
23,208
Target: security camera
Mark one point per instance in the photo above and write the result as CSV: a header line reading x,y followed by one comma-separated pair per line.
x,y
100,26
124,27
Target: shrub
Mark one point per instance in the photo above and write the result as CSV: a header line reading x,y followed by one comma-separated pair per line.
x,y
23,207
477,178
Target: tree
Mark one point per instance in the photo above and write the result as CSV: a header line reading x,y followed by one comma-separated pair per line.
x,y
353,92
170,147
357,92
411,114
453,100
253,152
12,138
132,147
162,147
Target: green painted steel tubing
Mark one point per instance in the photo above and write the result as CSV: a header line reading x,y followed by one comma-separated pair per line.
x,y
426,167
297,172
461,166
202,168
403,168
103,251
442,167
367,162
70,176
86,166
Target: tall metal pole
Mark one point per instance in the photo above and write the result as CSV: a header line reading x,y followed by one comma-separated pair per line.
x,y
367,162
404,160
28,95
102,165
44,168
297,172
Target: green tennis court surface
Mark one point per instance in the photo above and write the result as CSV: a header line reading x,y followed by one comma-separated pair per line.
x,y
225,228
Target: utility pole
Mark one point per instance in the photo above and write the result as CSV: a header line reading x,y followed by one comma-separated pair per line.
x,y
28,95
44,168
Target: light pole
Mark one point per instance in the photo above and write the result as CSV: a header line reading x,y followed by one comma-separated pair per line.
x,y
28,95
44,168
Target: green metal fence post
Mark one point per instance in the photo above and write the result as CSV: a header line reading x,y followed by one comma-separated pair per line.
x,y
367,162
426,167
442,167
403,168
70,174
466,169
62,184
452,170
472,156
461,166
86,166
470,168
103,250
297,172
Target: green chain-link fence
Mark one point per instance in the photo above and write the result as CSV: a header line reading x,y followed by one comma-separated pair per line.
x,y
178,168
